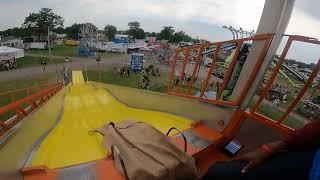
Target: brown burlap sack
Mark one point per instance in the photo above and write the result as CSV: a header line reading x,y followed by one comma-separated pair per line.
x,y
147,153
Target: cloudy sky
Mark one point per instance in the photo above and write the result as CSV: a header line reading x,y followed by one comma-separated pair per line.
x,y
199,18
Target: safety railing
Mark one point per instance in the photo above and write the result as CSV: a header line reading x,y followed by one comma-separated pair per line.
x,y
278,123
196,54
24,106
14,94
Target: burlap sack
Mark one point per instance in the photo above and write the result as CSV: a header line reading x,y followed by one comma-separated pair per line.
x,y
146,152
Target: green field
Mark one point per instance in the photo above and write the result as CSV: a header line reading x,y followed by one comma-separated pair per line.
x,y
30,61
67,51
275,114
158,84
58,50
20,84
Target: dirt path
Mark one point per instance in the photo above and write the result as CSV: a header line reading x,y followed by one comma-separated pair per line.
x,y
292,114
75,63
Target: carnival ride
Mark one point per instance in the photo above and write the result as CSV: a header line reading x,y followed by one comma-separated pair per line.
x,y
47,137
88,40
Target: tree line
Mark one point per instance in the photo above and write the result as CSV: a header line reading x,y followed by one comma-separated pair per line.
x,y
301,64
37,24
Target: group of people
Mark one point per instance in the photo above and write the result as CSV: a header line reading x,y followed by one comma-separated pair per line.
x,y
185,79
121,72
6,65
144,82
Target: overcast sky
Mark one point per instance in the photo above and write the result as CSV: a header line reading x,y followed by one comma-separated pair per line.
x,y
199,18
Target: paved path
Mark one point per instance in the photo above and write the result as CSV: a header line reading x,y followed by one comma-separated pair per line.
x,y
75,63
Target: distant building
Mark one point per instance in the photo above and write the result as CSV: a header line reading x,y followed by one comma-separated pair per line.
x,y
184,44
11,41
59,38
37,38
120,38
9,53
200,41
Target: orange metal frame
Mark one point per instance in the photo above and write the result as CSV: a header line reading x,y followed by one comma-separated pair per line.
x,y
277,124
33,100
265,37
28,91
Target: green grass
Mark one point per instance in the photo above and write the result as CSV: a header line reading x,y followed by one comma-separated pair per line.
x,y
58,50
30,61
275,115
67,51
106,55
158,84
19,84
282,79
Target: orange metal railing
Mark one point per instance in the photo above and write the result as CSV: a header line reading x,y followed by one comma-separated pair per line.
x,y
217,48
278,123
32,101
28,90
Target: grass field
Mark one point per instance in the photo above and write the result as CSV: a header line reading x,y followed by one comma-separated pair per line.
x,y
20,84
30,61
275,114
157,83
67,51
58,50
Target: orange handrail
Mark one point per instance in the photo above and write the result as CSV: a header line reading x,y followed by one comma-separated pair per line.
x,y
198,60
185,61
278,123
213,63
33,100
12,93
273,75
302,92
217,46
173,64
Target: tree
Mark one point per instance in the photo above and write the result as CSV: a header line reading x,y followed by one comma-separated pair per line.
x,y
134,25
151,34
139,34
181,36
17,32
41,21
166,33
135,30
59,30
110,31
73,31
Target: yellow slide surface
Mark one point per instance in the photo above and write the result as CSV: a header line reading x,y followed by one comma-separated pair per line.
x,y
86,108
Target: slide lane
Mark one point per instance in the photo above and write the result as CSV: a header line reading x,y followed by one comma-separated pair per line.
x,y
86,108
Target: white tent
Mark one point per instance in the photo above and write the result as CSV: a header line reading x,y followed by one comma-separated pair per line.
x,y
8,53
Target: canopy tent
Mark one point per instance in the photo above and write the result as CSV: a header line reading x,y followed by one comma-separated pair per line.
x,y
8,53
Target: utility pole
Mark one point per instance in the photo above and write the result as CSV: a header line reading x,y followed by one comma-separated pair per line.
x,y
125,53
49,45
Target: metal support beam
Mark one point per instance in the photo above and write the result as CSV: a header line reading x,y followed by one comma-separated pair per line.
x,y
274,20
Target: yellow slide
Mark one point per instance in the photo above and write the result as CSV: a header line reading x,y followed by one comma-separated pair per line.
x,y
86,108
